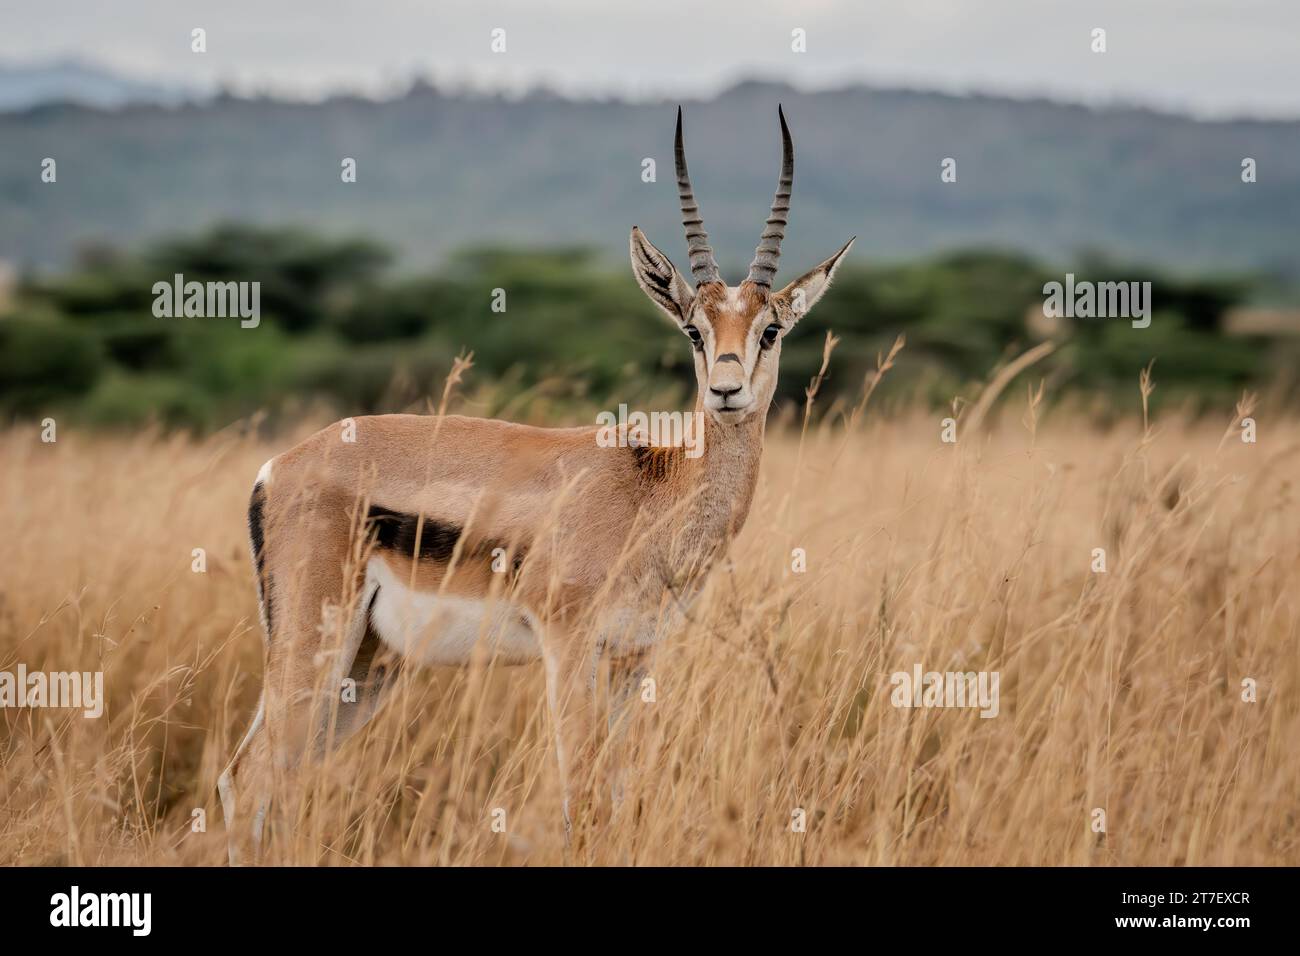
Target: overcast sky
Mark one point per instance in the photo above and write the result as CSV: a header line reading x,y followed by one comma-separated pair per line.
x,y
1208,57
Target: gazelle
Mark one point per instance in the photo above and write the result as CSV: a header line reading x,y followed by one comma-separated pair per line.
x,y
442,537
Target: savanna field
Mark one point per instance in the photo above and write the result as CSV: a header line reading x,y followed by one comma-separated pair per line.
x,y
1120,691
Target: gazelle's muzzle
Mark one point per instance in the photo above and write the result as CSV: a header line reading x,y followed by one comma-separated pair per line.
x,y
728,396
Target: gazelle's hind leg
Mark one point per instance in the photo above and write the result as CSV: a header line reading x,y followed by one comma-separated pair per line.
x,y
369,669
253,739
303,712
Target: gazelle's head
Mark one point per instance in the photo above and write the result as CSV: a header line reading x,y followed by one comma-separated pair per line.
x,y
736,331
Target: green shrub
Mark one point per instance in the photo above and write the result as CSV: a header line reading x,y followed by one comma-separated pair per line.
x,y
45,362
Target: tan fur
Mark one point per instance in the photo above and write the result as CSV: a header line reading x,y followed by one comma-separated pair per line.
x,y
612,542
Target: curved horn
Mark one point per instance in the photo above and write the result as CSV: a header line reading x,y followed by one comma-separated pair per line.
x,y
703,266
768,253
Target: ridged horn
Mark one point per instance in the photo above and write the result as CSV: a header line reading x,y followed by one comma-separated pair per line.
x,y
703,266
768,253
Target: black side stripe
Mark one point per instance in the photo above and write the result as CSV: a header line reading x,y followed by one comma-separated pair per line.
x,y
397,531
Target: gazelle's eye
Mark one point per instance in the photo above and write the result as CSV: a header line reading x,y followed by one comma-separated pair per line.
x,y
769,335
696,339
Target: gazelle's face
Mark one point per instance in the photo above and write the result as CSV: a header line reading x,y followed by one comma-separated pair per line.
x,y
736,331
735,334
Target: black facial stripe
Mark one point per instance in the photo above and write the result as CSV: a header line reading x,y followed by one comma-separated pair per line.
x,y
729,357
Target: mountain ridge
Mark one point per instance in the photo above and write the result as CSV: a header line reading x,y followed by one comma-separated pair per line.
x,y
440,169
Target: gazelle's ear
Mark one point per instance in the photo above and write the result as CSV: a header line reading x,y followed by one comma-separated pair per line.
x,y
802,294
659,279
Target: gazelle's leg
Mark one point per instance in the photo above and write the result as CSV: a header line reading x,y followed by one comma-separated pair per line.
x,y
358,678
372,670
253,740
626,677
336,716
275,742
303,709
570,693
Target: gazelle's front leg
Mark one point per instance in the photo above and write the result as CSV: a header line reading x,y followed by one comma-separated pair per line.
x,y
570,691
627,677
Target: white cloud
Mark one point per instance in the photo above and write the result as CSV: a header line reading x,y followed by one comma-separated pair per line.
x,y
1208,56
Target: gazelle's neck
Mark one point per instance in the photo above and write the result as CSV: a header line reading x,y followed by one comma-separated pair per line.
x,y
724,476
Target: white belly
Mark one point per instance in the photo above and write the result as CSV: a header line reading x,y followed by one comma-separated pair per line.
x,y
431,628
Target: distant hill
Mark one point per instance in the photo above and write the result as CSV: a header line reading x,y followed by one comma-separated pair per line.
x,y
71,81
438,171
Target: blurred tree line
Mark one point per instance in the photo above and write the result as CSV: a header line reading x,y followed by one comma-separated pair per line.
x,y
338,327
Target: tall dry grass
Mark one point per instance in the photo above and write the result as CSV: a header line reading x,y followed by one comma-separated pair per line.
x,y
1120,691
